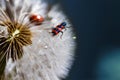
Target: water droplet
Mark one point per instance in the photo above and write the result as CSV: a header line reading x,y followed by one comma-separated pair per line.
x,y
46,47
74,37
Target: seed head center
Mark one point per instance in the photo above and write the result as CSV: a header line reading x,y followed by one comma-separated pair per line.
x,y
15,32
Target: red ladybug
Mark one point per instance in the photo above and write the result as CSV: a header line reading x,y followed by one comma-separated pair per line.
x,y
36,19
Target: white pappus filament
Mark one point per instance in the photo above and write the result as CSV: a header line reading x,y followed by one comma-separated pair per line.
x,y
30,50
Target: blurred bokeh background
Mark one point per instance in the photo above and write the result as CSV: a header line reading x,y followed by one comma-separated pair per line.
x,y
97,26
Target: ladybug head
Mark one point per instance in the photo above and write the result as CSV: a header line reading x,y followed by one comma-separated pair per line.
x,y
63,24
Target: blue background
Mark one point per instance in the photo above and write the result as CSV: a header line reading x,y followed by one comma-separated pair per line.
x,y
97,26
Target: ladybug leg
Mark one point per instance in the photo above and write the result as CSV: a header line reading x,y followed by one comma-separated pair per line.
x,y
65,29
61,34
68,26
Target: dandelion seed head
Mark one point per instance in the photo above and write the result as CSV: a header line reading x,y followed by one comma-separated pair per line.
x,y
32,52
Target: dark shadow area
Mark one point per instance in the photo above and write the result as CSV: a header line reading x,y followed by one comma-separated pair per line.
x,y
97,25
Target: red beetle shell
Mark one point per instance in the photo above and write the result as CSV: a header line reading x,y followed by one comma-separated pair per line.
x,y
37,19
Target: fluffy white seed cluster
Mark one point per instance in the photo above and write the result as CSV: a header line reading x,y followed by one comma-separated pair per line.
x,y
48,57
